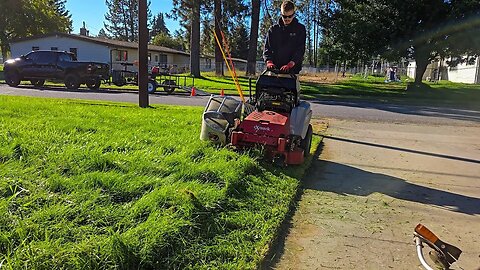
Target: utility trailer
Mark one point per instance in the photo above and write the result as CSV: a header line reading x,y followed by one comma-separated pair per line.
x,y
156,78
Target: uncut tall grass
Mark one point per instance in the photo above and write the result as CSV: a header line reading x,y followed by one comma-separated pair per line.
x,y
93,185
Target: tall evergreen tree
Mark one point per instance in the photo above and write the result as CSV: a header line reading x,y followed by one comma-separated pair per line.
x,y
218,17
159,26
188,13
103,34
121,19
252,46
195,39
207,42
239,41
62,12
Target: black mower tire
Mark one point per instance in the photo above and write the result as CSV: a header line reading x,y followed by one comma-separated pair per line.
x,y
72,82
37,83
152,86
306,143
12,78
93,84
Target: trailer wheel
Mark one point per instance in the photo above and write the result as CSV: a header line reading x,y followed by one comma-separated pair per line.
x,y
152,86
93,84
72,82
167,88
12,78
306,143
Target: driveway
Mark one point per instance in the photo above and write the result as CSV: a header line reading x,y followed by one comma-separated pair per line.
x,y
372,183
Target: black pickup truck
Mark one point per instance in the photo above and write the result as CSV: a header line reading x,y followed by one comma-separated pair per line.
x,y
37,66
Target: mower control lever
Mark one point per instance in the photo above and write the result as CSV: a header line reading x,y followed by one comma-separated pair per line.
x,y
277,72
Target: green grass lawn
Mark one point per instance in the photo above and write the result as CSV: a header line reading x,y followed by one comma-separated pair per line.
x,y
96,185
374,88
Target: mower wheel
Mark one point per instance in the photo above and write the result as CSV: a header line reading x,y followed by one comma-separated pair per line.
x,y
306,143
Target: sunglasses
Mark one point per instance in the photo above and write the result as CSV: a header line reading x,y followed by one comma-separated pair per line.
x,y
288,16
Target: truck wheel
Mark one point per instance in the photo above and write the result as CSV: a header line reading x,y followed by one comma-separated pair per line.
x,y
72,82
167,88
12,79
37,83
306,143
152,86
93,84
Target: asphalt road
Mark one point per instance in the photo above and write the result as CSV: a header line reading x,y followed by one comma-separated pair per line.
x,y
338,109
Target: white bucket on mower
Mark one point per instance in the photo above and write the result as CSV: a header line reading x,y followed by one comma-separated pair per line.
x,y
219,115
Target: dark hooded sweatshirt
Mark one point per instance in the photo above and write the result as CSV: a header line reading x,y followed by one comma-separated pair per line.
x,y
286,43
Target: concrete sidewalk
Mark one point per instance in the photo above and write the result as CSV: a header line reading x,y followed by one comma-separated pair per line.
x,y
373,183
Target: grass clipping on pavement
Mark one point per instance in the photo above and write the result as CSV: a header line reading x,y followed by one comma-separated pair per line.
x,y
93,185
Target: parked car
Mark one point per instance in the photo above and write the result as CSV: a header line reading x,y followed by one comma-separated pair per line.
x,y
38,66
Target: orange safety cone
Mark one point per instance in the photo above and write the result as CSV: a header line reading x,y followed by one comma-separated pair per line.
x,y
193,92
222,93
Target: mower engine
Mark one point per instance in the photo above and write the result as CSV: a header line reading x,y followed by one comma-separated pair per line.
x,y
274,119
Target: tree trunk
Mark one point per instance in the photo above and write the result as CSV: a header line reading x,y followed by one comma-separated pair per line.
x,y
195,40
422,62
218,54
4,45
252,50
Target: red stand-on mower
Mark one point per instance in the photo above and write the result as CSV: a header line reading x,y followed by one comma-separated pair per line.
x,y
274,118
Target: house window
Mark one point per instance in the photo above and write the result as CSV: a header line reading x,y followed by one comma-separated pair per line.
x,y
209,62
120,55
54,48
74,51
163,59
35,48
156,58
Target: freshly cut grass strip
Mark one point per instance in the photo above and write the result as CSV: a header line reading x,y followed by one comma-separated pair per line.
x,y
94,185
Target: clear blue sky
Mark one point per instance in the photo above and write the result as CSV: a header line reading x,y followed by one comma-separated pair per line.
x,y
92,12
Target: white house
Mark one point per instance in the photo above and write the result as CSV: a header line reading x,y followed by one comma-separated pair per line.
x,y
462,73
465,73
113,52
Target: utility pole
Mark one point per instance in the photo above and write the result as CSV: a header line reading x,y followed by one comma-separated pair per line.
x,y
315,33
142,54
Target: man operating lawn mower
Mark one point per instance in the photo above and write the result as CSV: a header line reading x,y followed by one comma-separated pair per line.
x,y
274,118
285,42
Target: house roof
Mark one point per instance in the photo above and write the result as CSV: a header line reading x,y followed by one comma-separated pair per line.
x,y
115,44
104,41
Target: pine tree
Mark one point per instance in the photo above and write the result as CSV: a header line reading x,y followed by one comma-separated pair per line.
x,y
239,41
159,26
102,34
253,44
207,42
122,19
